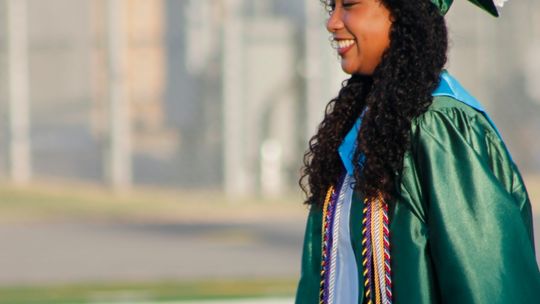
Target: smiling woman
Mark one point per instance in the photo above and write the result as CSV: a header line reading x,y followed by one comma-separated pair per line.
x,y
361,32
413,195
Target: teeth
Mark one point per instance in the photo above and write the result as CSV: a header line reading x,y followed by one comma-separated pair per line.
x,y
344,43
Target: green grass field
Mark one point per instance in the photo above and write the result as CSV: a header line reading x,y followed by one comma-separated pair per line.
x,y
44,202
147,292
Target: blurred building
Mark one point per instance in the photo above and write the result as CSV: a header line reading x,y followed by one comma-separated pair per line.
x,y
224,94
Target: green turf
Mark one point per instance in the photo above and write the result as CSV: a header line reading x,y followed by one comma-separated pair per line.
x,y
94,202
138,292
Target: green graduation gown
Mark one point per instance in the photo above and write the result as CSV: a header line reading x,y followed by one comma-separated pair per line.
x,y
461,229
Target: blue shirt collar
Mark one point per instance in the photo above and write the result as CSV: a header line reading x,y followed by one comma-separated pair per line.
x,y
348,146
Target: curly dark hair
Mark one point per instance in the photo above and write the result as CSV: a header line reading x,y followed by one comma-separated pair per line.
x,y
399,90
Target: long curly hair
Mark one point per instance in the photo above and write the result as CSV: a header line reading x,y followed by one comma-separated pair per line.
x,y
399,90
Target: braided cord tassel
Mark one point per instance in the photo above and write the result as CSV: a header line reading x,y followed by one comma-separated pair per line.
x,y
376,257
378,236
387,259
328,214
376,222
329,249
366,251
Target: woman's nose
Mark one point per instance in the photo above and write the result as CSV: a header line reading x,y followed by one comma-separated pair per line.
x,y
334,22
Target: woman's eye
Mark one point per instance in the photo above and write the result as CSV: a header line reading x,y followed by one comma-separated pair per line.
x,y
349,4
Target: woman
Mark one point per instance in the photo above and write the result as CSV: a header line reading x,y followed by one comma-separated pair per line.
x,y
413,196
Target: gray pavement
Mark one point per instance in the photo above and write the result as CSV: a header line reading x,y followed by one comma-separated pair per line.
x,y
70,252
90,251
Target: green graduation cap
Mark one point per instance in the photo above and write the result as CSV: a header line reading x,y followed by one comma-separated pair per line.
x,y
487,5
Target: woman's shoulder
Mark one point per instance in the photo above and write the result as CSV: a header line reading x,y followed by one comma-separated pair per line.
x,y
446,103
449,114
458,128
451,131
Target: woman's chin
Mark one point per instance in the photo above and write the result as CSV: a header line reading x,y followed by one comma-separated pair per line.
x,y
347,68
352,68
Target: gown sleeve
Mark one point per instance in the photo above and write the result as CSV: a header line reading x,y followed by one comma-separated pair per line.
x,y
479,216
308,287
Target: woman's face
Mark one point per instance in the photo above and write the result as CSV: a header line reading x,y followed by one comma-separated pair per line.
x,y
361,33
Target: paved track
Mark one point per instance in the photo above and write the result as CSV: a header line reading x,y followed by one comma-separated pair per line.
x,y
71,252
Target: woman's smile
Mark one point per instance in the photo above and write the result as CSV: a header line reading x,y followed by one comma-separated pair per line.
x,y
343,45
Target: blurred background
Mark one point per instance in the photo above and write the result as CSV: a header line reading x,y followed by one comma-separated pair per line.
x,y
150,149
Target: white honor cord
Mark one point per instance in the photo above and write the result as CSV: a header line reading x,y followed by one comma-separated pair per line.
x,y
335,239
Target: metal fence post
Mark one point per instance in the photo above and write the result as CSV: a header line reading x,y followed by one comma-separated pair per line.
x,y
120,162
19,104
